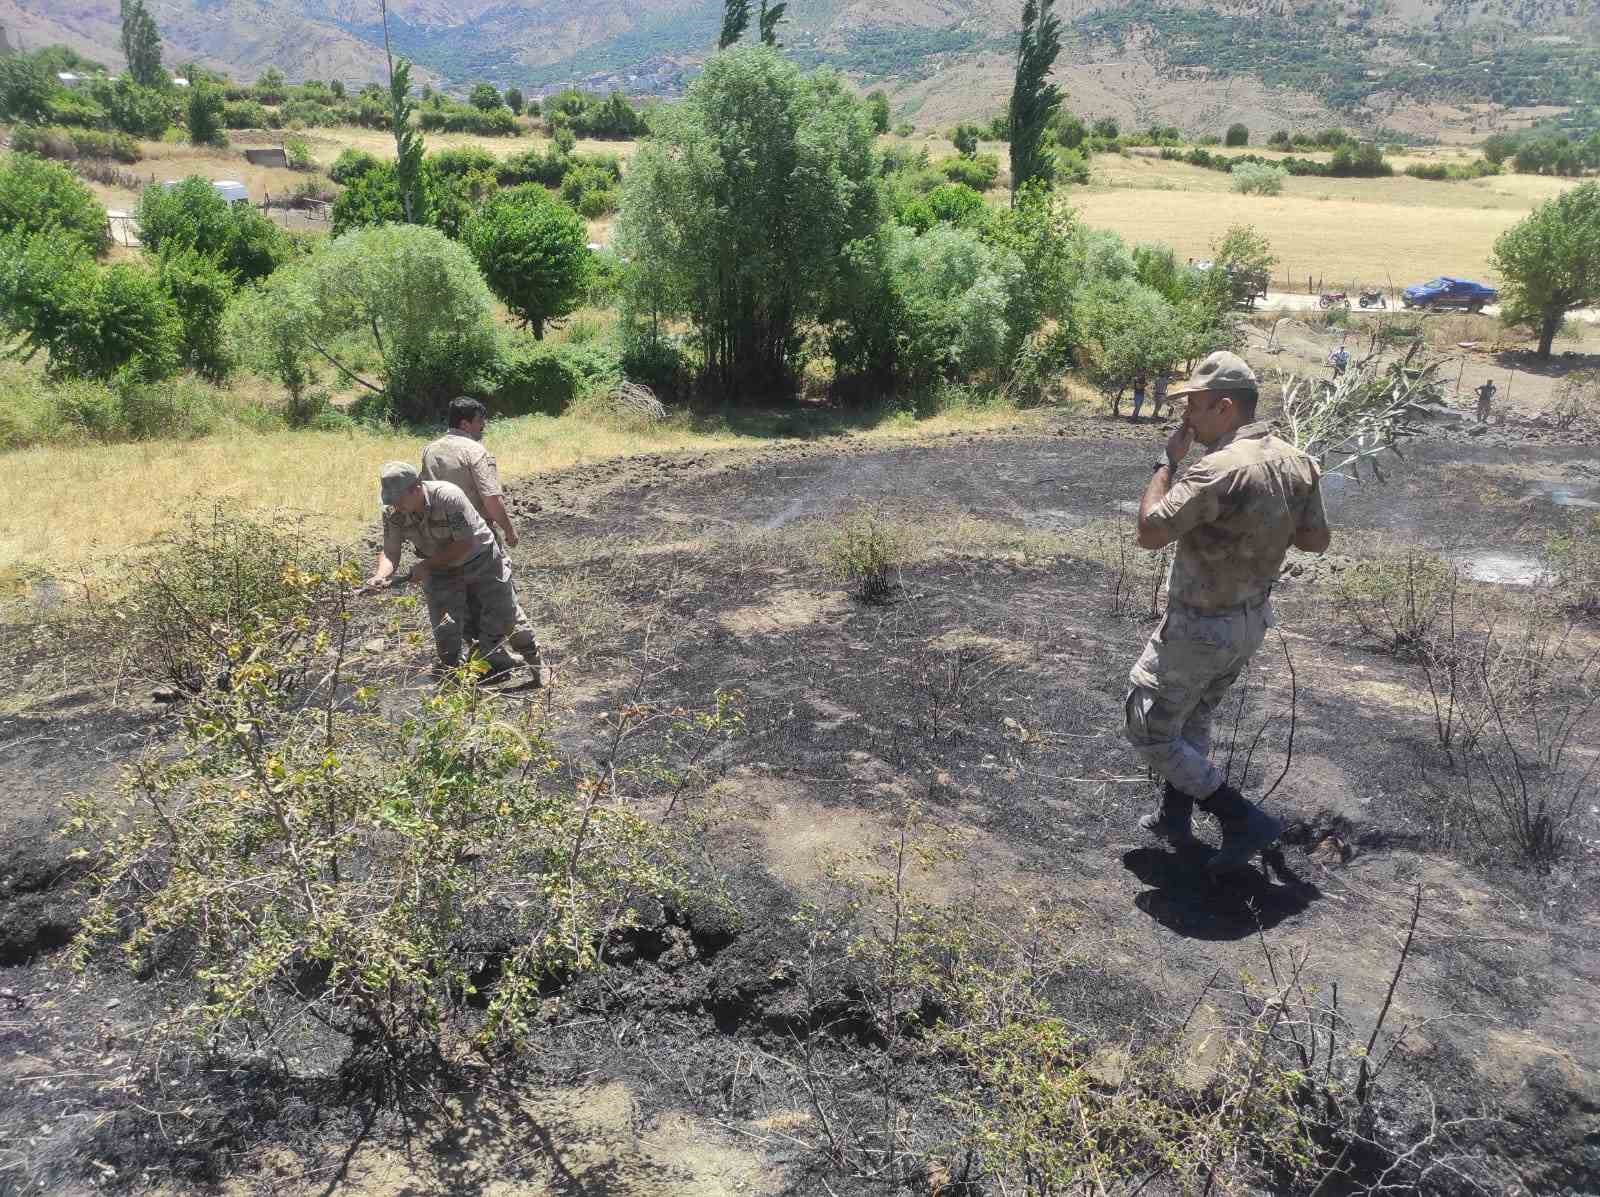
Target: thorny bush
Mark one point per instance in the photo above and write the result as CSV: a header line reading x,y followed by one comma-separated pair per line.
x,y
1398,603
866,552
305,853
957,1060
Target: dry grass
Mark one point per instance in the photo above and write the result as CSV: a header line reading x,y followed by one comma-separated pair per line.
x,y
99,500
1360,231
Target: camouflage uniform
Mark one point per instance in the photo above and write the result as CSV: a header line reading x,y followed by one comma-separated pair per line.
x,y
1234,513
485,576
460,459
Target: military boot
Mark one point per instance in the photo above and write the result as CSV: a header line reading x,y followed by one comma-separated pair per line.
x,y
1246,830
1173,821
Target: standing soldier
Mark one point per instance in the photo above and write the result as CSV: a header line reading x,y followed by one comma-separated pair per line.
x,y
1485,395
458,558
459,457
1234,515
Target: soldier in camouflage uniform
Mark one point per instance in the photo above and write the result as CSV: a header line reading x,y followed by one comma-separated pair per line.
x,y
459,457
1234,514
459,557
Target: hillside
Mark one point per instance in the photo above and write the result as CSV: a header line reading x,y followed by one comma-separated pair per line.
x,y
1422,66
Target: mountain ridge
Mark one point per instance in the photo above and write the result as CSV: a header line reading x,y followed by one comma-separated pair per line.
x,y
1373,61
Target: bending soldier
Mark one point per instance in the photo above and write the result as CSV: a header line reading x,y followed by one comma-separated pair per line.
x,y
458,559
1234,515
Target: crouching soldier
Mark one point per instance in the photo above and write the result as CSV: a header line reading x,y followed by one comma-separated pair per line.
x,y
1234,515
458,557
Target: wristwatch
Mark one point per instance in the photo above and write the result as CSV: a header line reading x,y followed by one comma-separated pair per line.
x,y
1165,461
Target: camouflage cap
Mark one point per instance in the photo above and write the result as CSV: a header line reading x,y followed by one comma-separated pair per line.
x,y
1222,371
395,479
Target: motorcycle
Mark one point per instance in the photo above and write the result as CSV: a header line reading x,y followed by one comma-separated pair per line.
x,y
1333,299
1373,299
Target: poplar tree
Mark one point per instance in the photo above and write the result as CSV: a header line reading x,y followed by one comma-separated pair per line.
x,y
408,144
141,45
1034,99
735,20
768,24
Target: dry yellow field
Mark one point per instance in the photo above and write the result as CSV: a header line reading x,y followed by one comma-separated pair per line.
x,y
1346,231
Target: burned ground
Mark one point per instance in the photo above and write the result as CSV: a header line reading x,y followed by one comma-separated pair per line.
x,y
988,690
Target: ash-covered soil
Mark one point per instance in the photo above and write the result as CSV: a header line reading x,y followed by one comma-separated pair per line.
x,y
989,689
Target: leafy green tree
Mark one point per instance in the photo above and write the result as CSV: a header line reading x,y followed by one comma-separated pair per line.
x,y
272,329
200,289
735,20
270,86
26,89
38,196
1245,256
206,105
1038,229
1034,99
351,164
132,108
191,215
1550,263
878,111
738,208
91,323
141,45
768,23
408,144
1121,329
1237,134
485,97
409,295
514,100
533,252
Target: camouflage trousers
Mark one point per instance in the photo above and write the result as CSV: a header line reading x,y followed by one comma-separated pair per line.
x,y
478,597
1177,683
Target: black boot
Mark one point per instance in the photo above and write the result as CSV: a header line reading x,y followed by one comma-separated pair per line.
x,y
1246,830
1174,820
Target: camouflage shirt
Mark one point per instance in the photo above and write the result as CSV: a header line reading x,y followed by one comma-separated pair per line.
x,y
465,462
1234,514
446,516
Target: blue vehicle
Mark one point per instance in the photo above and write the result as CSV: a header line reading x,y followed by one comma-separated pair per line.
x,y
1446,292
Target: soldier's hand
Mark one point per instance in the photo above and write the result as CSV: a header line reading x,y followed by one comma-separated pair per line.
x,y
1180,442
511,538
376,583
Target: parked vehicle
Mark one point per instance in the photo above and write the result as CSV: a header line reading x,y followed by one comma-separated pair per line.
x,y
1333,299
1447,292
1372,299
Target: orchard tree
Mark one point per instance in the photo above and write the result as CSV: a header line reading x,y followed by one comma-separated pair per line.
x,y
514,100
738,209
1237,134
38,196
191,215
1550,263
965,138
25,88
1034,99
484,97
1246,257
533,251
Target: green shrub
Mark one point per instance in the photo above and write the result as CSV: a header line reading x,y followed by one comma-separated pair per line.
x,y
191,214
595,204
1434,171
978,173
206,107
351,164
297,153
38,196
460,118
1237,134
246,114
530,376
1398,603
866,552
132,109
546,167
71,144
1359,159
464,161
1250,178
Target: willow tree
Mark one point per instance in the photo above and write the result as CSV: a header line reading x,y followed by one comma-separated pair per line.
x,y
737,210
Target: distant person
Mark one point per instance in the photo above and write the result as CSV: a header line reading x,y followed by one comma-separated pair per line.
x,y
1139,384
1160,394
458,557
1339,359
1485,395
1234,515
